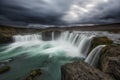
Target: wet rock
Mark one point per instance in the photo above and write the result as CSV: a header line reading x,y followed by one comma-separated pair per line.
x,y
100,41
82,71
47,35
4,69
33,74
110,61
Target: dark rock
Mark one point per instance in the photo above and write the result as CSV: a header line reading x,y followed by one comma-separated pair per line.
x,y
4,69
110,61
5,39
33,74
82,71
47,35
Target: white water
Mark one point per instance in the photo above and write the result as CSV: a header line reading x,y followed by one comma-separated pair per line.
x,y
53,35
32,47
93,56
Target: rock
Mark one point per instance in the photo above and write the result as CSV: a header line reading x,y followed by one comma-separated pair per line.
x,y
82,71
33,74
47,35
100,41
5,39
110,61
4,69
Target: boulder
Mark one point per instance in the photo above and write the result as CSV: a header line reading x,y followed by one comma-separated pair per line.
x,y
5,39
4,69
82,71
100,41
33,74
110,61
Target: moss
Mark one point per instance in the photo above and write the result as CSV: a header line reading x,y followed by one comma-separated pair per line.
x,y
4,69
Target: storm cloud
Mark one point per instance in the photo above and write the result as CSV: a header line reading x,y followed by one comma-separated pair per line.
x,y
58,12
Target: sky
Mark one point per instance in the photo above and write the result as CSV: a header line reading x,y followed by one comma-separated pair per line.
x,y
59,12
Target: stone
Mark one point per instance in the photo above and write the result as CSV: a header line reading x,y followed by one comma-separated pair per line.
x,y
100,41
82,71
5,39
110,61
4,69
33,74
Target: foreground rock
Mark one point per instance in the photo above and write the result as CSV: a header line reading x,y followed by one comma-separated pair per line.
x,y
4,69
33,74
110,61
82,71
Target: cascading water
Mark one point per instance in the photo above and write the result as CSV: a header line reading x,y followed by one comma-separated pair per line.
x,y
93,56
53,35
30,52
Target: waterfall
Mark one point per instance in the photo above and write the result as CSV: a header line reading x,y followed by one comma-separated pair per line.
x,y
53,35
93,56
81,41
74,40
19,38
84,44
29,52
67,40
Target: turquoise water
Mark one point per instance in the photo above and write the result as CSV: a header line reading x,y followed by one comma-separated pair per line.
x,y
45,55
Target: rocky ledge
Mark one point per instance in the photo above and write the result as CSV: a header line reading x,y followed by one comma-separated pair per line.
x,y
100,41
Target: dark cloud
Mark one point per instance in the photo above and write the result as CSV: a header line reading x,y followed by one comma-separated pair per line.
x,y
57,12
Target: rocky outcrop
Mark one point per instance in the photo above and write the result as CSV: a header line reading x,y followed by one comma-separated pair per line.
x,y
4,69
110,61
82,71
5,39
47,35
33,74
100,41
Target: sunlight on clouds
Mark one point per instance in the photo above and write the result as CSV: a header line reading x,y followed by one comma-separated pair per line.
x,y
78,12
106,0
78,8
90,5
